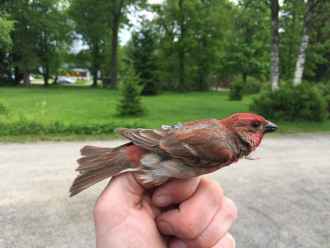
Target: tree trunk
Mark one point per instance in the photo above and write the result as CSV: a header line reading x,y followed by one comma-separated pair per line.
x,y
181,70
55,79
46,76
114,47
46,80
203,65
94,74
300,64
275,73
95,67
181,52
18,75
26,79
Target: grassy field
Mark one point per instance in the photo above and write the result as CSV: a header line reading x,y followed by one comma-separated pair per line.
x,y
84,107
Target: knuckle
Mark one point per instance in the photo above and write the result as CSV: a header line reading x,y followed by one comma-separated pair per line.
x,y
189,229
230,209
99,209
215,189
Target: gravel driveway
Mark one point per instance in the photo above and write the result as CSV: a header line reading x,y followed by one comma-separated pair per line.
x,y
283,198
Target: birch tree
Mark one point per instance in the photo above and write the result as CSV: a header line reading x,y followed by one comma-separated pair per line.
x,y
300,63
275,45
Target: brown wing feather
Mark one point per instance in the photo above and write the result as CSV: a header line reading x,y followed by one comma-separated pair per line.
x,y
205,142
202,143
146,138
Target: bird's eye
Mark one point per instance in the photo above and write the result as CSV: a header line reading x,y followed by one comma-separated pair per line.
x,y
256,124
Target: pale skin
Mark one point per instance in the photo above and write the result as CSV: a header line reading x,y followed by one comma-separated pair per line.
x,y
181,213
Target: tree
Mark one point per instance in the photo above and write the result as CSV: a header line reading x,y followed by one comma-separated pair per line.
x,y
141,53
52,35
38,38
308,18
118,10
210,21
173,20
90,18
6,26
247,52
130,102
275,45
317,66
291,20
24,57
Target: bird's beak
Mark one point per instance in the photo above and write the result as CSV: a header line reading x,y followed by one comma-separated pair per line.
x,y
270,127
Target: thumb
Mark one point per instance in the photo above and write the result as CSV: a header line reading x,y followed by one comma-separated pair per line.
x,y
122,190
121,195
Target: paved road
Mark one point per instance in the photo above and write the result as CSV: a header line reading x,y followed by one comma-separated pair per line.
x,y
283,198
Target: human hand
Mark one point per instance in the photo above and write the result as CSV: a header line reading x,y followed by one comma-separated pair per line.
x,y
127,215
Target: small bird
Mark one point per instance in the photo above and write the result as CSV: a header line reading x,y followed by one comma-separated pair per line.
x,y
179,151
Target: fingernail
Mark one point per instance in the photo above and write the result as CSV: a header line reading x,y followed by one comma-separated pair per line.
x,y
165,228
178,244
162,200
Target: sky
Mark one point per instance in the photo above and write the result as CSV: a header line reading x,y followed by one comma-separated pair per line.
x,y
125,33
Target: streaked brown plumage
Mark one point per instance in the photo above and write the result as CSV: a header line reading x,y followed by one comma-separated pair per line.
x,y
179,151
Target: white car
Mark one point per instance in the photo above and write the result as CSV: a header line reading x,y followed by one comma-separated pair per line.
x,y
66,80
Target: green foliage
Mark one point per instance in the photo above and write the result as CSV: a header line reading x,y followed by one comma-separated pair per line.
x,y
251,86
141,53
292,26
236,90
39,36
129,89
91,22
192,38
188,45
26,127
247,52
207,44
324,88
317,66
6,26
290,103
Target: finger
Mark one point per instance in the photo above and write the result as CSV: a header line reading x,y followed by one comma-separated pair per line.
x,y
175,191
122,193
194,214
226,242
217,229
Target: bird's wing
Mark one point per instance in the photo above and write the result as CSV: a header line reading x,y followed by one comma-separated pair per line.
x,y
202,143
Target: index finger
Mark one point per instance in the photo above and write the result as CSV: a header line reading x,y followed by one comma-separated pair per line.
x,y
175,191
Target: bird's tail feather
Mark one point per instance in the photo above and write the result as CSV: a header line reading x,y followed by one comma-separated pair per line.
x,y
97,164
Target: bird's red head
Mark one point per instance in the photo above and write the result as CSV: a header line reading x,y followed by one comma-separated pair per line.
x,y
250,127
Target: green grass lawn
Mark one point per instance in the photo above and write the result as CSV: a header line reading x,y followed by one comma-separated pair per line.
x,y
87,107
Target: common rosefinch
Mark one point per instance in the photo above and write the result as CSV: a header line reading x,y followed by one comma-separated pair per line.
x,y
180,151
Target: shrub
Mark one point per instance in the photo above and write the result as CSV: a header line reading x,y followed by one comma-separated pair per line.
x,y
239,88
130,102
303,102
252,86
26,127
236,91
325,91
